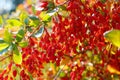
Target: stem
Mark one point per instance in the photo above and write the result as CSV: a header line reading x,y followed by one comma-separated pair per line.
x,y
64,3
58,73
5,57
34,31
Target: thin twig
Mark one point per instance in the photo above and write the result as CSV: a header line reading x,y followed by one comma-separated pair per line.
x,y
68,56
64,3
58,73
34,31
5,57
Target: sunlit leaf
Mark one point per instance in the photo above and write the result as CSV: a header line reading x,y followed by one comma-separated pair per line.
x,y
1,20
112,70
23,44
113,36
24,18
39,32
34,21
45,17
3,46
17,56
14,22
62,74
4,50
89,53
20,35
8,36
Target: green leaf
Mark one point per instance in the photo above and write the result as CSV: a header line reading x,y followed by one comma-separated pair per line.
x,y
89,53
45,17
103,1
4,50
34,21
96,58
50,5
1,41
62,74
33,9
24,18
77,48
116,77
30,29
3,46
26,21
39,32
20,35
1,20
30,75
113,36
7,36
23,44
32,17
17,56
14,22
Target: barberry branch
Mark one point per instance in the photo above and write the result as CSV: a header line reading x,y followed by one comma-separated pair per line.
x,y
64,2
58,73
34,31
5,57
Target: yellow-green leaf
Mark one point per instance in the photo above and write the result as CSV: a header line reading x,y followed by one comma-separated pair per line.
x,y
7,36
34,21
17,56
3,46
23,16
20,35
113,36
44,16
1,20
23,44
14,22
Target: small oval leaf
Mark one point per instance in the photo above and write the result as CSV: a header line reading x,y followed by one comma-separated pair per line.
x,y
4,50
34,21
14,22
20,35
23,44
45,17
113,36
17,56
7,36
3,46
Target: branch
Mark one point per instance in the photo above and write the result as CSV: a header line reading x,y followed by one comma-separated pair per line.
x,y
34,31
58,73
64,3
5,57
